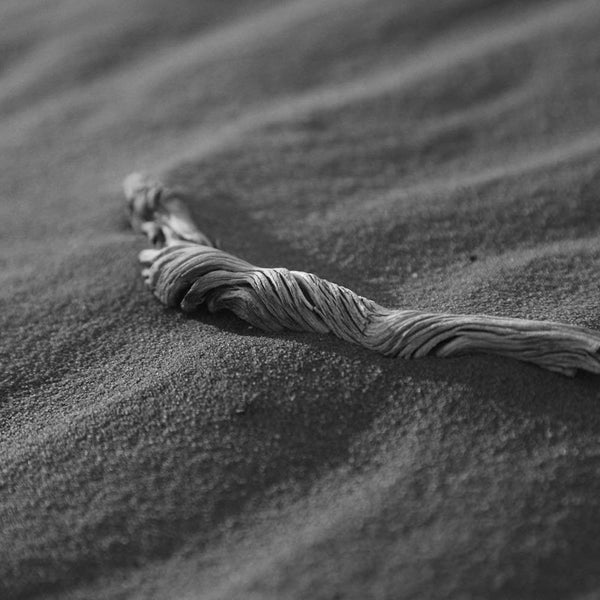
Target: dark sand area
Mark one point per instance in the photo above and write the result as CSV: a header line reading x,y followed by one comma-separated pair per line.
x,y
439,155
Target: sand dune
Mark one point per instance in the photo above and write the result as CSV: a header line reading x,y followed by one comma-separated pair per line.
x,y
437,155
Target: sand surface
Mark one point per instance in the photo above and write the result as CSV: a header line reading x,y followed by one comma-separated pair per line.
x,y
440,155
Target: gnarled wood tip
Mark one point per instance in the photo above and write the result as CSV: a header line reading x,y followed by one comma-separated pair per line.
x,y
160,213
186,270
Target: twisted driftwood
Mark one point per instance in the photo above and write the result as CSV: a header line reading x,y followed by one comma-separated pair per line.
x,y
186,270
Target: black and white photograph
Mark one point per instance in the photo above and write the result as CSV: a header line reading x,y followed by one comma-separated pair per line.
x,y
300,299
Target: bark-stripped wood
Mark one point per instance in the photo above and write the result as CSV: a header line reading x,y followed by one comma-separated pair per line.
x,y
185,270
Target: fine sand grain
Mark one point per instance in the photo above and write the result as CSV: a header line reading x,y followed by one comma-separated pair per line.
x,y
438,155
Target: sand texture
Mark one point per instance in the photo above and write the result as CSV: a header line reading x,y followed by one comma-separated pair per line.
x,y
441,156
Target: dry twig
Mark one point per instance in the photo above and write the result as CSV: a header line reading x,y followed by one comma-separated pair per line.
x,y
185,270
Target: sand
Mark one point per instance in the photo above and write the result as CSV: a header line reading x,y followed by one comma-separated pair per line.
x,y
436,155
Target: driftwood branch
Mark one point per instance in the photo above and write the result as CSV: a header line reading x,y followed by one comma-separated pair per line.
x,y
185,270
